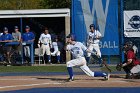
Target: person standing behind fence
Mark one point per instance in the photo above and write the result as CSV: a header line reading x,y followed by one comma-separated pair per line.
x,y
17,38
46,43
27,37
16,34
5,38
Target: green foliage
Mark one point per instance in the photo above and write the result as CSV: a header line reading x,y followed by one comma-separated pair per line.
x,y
20,4
47,4
57,3
33,4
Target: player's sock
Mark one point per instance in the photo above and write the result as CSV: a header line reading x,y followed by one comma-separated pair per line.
x,y
100,60
88,59
70,71
49,58
58,58
99,74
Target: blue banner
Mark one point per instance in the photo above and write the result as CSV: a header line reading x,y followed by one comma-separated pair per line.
x,y
102,13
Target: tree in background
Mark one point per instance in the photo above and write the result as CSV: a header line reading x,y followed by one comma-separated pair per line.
x,y
33,4
50,4
57,3
20,4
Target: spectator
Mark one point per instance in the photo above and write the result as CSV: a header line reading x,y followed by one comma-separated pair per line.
x,y
130,59
6,37
17,38
27,37
16,35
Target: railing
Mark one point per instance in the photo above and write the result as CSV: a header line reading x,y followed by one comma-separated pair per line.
x,y
30,44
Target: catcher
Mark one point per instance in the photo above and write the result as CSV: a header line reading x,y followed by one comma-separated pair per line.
x,y
131,65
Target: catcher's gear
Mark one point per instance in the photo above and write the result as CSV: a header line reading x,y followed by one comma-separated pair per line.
x,y
129,43
119,67
128,46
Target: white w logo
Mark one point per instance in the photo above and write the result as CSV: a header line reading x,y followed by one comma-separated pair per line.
x,y
89,16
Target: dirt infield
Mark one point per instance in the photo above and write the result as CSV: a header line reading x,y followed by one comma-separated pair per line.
x,y
8,83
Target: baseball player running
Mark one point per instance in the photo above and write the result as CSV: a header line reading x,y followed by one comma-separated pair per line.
x,y
93,40
77,50
45,42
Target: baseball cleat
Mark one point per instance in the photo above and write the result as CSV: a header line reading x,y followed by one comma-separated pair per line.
x,y
49,62
70,79
107,77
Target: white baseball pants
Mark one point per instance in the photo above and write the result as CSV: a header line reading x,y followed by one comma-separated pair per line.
x,y
81,61
94,47
45,48
27,51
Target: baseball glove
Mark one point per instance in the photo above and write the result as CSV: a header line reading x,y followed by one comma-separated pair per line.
x,y
119,67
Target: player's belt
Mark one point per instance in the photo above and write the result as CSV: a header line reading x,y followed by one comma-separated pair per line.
x,y
45,44
94,43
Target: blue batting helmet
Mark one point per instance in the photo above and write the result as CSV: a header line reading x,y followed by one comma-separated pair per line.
x,y
72,36
128,45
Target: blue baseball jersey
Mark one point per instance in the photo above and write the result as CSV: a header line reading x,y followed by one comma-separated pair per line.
x,y
28,36
6,37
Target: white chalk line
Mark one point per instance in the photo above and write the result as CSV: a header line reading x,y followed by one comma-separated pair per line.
x,y
29,85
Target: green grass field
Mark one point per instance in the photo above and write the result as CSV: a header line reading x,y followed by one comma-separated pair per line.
x,y
113,68
55,68
33,69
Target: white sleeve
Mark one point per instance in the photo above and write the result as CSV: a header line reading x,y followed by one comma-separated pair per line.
x,y
40,38
50,40
99,34
88,38
83,47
